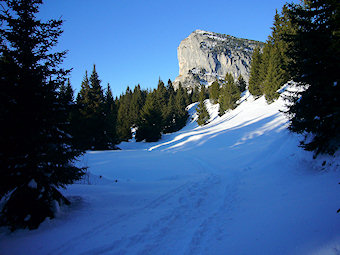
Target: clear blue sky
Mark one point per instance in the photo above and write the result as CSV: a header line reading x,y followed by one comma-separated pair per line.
x,y
136,41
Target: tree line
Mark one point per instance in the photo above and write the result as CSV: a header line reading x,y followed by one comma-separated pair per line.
x,y
98,121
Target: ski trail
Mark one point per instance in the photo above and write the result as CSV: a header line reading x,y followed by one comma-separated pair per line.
x,y
193,218
93,231
192,201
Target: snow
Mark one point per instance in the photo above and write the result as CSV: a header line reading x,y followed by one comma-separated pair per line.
x,y
239,185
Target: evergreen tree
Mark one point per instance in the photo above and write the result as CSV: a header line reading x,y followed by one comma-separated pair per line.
x,y
66,94
214,92
275,76
110,111
37,153
254,77
170,89
229,95
136,105
241,83
315,52
202,112
124,121
161,97
97,114
90,124
181,112
195,94
80,118
150,126
169,116
263,70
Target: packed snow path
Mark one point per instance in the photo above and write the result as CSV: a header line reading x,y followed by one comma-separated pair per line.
x,y
239,185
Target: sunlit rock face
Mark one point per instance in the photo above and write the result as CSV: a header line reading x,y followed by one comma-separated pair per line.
x,y
205,56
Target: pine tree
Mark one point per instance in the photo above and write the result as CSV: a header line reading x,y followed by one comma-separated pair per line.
x,y
195,94
110,111
275,76
37,153
81,129
315,51
263,70
229,95
181,112
169,116
97,115
202,112
124,121
137,101
150,126
241,83
214,92
254,77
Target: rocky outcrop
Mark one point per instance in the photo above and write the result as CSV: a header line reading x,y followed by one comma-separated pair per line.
x,y
205,56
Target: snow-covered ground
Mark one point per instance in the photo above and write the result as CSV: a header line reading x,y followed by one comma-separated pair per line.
x,y
239,185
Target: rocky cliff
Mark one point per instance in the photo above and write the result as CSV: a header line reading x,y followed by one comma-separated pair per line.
x,y
205,56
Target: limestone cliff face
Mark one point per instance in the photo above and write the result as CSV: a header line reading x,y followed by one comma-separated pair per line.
x,y
205,56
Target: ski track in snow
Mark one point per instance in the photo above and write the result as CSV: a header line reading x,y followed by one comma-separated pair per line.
x,y
193,214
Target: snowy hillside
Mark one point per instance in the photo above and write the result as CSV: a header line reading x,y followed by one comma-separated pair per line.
x,y
239,185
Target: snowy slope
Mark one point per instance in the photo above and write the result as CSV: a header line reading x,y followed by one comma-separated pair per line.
x,y
239,185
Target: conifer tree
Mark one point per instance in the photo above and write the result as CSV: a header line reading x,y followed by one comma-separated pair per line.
x,y
150,126
181,112
263,70
80,118
97,114
36,153
254,77
170,89
124,121
202,112
195,94
229,95
110,111
315,110
275,76
169,116
136,104
214,92
241,83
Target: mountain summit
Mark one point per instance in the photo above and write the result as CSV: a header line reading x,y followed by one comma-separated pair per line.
x,y
206,56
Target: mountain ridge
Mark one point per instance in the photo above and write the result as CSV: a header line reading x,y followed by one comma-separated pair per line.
x,y
206,56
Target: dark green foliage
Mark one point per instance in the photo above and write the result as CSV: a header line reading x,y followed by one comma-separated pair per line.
x,y
195,95
315,52
268,72
135,106
202,112
150,126
180,104
254,78
175,115
124,121
36,151
263,70
229,95
241,84
214,92
93,123
110,111
274,78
